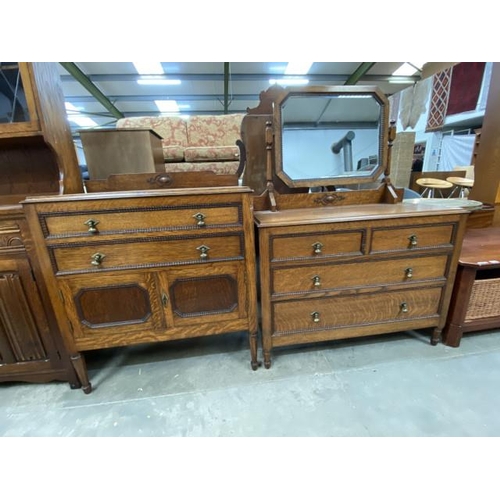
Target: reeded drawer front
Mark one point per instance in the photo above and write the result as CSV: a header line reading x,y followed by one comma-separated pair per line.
x,y
116,255
334,312
316,245
89,223
411,238
333,276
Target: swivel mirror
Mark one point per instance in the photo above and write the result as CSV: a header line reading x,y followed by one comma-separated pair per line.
x,y
330,135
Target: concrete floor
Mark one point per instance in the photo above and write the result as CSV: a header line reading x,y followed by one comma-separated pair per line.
x,y
392,385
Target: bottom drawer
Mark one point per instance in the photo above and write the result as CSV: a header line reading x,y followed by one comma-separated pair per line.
x,y
370,308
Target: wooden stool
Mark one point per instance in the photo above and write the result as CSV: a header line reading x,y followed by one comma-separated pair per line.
x,y
432,186
462,184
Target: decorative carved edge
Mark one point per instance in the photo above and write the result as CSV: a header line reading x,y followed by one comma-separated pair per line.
x,y
329,199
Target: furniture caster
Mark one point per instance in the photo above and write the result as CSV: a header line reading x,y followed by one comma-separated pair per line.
x,y
87,389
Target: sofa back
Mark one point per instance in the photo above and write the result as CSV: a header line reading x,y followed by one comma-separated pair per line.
x,y
214,130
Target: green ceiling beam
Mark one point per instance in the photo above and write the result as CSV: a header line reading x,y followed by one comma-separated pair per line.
x,y
226,88
361,71
85,81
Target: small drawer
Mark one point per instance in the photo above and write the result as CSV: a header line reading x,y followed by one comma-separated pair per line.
x,y
142,254
140,220
412,238
359,274
317,245
336,312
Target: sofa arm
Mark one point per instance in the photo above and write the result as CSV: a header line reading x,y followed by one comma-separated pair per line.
x,y
243,158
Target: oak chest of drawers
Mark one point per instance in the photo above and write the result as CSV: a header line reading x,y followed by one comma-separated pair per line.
x,y
134,267
353,271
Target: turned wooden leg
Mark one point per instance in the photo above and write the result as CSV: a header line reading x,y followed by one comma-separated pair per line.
x,y
436,336
253,350
267,359
81,372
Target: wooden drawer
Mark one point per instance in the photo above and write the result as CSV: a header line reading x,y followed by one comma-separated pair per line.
x,y
143,219
317,245
411,238
156,252
365,309
317,278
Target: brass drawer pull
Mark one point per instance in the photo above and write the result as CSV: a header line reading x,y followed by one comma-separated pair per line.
x,y
203,251
316,281
317,247
97,259
409,272
413,240
404,307
200,218
315,316
92,225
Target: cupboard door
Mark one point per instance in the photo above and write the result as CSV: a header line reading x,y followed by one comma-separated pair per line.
x,y
108,310
198,294
18,114
21,315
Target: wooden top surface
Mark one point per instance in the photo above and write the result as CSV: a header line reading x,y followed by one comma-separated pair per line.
x,y
460,181
433,183
150,193
117,130
349,212
481,247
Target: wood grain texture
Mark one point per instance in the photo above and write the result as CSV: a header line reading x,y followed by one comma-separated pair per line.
x,y
372,286
160,275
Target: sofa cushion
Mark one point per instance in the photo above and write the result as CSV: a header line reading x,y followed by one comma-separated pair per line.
x,y
214,153
214,130
173,153
226,167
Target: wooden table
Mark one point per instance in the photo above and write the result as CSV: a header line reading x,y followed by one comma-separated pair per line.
x,y
475,303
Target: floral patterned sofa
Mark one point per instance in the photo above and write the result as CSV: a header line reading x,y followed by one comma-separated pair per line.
x,y
200,142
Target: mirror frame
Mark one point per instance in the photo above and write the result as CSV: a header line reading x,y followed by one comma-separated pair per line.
x,y
373,91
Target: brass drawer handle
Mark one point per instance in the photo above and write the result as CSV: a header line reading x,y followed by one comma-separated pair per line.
x,y
315,316
317,247
200,219
413,240
97,259
404,307
203,249
409,272
316,281
92,225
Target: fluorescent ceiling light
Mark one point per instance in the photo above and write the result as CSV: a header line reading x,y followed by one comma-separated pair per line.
x,y
298,68
407,69
289,81
149,68
158,81
75,116
167,106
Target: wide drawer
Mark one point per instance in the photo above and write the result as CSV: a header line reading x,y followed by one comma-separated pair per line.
x,y
365,309
411,238
317,278
141,254
143,219
317,245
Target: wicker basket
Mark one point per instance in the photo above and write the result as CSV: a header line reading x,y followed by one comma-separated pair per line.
x,y
484,300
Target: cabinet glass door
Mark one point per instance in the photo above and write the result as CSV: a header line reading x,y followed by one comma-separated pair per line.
x,y
13,105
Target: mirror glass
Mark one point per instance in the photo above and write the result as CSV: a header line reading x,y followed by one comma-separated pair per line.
x,y
330,138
